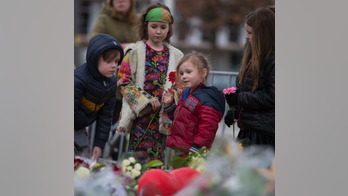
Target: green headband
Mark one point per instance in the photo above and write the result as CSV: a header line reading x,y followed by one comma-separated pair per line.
x,y
158,15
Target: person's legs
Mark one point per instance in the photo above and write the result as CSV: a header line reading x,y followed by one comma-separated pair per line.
x,y
81,142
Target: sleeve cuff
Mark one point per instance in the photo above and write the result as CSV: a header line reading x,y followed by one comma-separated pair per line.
x,y
99,143
195,148
170,109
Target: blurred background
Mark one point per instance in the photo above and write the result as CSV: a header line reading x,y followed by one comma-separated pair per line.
x,y
212,27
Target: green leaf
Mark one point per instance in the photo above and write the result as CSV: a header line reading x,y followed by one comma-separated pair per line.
x,y
94,169
154,163
202,150
176,162
143,168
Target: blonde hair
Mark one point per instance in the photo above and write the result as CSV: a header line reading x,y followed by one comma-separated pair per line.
x,y
198,60
142,25
131,16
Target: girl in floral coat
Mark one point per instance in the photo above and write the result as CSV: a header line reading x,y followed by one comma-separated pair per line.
x,y
143,76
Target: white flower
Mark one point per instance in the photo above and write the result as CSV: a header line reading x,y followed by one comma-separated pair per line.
x,y
137,166
133,175
82,172
136,187
125,162
124,168
131,159
129,168
128,174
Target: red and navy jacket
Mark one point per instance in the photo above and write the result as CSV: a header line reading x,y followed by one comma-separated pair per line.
x,y
195,119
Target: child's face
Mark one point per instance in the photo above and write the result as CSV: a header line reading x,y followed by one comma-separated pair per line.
x,y
249,31
190,76
157,31
108,67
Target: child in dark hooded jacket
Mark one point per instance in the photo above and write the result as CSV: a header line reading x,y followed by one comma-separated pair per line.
x,y
95,92
200,108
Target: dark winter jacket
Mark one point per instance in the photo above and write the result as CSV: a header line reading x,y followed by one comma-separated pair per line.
x,y
256,110
94,94
195,121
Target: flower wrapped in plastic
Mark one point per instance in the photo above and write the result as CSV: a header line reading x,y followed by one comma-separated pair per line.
x,y
232,170
92,178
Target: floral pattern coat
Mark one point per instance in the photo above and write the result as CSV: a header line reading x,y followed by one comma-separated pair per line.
x,y
143,76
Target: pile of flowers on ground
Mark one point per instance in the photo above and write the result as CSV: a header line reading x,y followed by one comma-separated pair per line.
x,y
227,169
231,169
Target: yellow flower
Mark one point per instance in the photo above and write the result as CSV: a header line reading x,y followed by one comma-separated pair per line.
x,y
240,146
196,162
201,169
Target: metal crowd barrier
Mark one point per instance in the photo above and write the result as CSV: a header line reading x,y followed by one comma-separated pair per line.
x,y
219,79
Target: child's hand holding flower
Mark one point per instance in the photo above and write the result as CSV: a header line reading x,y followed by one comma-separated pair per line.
x,y
232,100
168,98
231,96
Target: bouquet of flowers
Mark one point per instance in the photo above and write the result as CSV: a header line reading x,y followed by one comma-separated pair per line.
x,y
134,168
194,160
232,170
92,178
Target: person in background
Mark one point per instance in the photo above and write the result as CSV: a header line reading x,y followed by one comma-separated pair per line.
x,y
254,99
200,108
117,18
143,76
95,93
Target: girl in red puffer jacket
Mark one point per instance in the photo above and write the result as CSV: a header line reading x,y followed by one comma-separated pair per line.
x,y
200,108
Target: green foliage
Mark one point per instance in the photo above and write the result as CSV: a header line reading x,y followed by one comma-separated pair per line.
x,y
179,162
96,168
154,163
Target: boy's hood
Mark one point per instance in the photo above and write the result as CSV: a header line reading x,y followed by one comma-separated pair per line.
x,y
96,46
